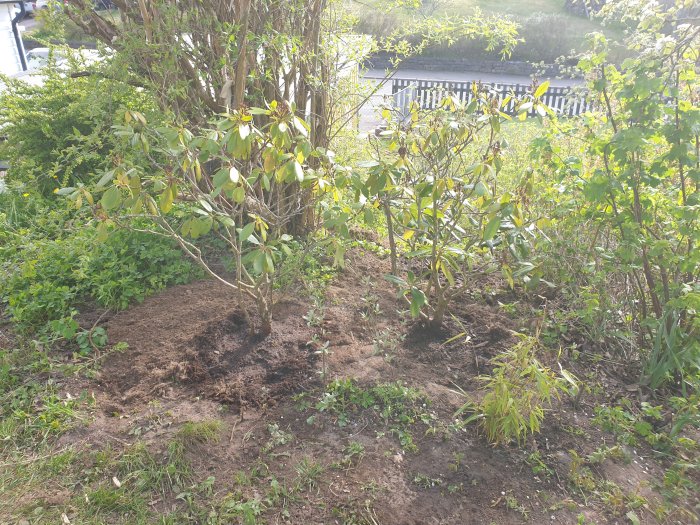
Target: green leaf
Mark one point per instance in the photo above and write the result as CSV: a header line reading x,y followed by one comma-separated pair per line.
x,y
107,177
221,177
396,280
492,228
111,198
634,519
239,195
204,204
339,255
226,221
269,265
246,231
480,189
200,226
258,262
417,301
102,231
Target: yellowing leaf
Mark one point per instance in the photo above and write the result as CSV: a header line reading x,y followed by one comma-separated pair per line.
x,y
166,200
270,161
542,89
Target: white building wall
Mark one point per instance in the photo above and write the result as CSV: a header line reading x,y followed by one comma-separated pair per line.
x,y
9,57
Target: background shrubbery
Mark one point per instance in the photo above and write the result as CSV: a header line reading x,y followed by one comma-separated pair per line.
x,y
52,261
59,134
46,278
546,29
547,36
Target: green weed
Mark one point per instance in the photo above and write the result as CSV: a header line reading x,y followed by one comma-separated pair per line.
x,y
278,438
352,454
426,482
397,406
538,465
308,473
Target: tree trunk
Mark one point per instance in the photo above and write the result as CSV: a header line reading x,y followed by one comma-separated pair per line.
x,y
265,314
242,65
439,312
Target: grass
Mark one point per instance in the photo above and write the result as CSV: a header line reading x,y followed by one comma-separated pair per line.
x,y
200,432
39,477
117,486
308,472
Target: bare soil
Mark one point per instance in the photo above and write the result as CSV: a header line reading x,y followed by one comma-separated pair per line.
x,y
192,340
190,357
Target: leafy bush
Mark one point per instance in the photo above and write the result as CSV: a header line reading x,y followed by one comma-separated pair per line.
x,y
48,278
52,258
131,265
58,134
628,195
539,42
435,177
516,393
55,26
234,181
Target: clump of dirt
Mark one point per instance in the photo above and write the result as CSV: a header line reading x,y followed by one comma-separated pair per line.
x,y
228,364
193,340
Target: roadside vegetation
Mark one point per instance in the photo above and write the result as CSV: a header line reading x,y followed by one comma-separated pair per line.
x,y
220,303
547,29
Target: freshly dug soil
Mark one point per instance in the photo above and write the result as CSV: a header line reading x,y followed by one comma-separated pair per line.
x,y
193,340
191,358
